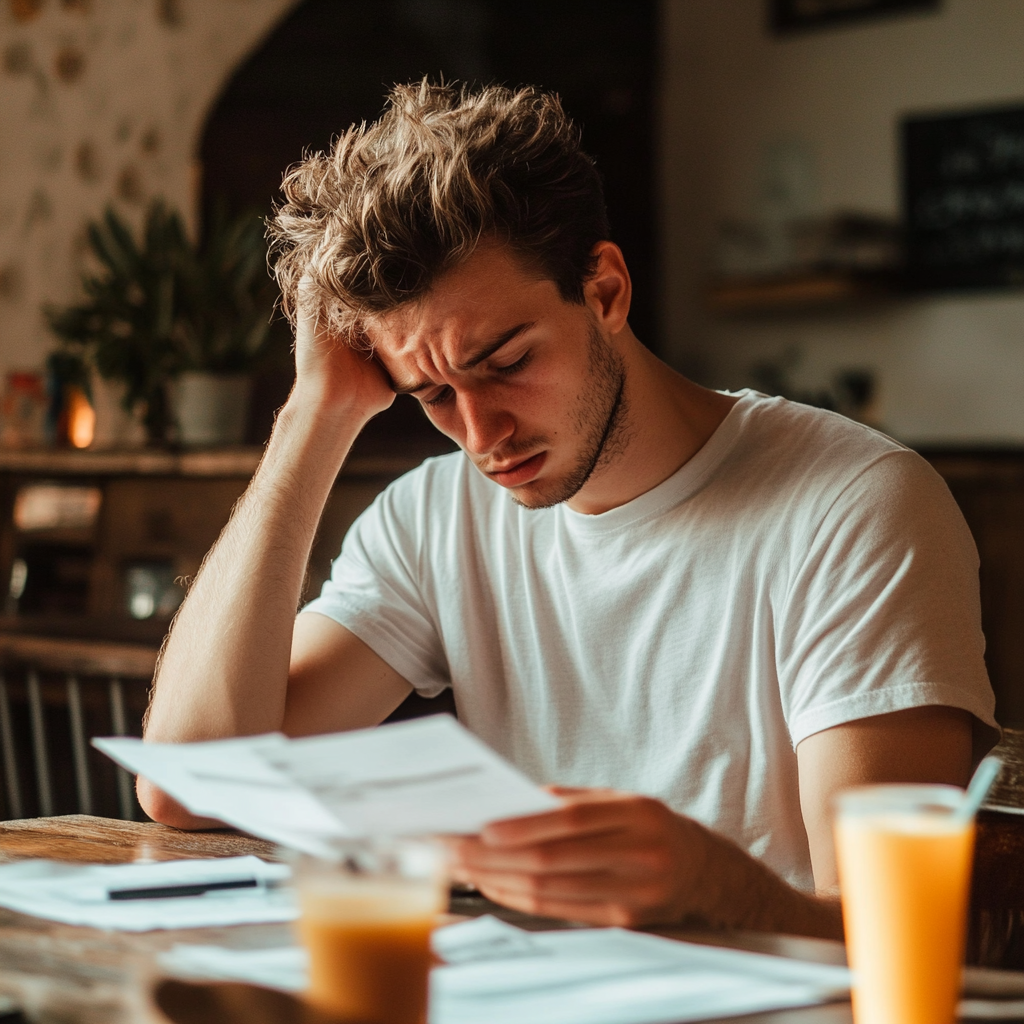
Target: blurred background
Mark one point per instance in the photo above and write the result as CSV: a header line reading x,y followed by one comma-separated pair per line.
x,y
818,198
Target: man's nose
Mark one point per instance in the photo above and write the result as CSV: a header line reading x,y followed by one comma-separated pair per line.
x,y
484,425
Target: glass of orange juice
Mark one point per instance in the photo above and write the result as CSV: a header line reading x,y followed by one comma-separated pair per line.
x,y
904,872
365,917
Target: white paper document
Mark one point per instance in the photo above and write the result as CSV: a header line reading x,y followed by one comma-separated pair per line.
x,y
81,894
505,975
280,967
427,776
497,973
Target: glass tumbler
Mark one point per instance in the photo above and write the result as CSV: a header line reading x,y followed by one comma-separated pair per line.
x,y
366,914
904,872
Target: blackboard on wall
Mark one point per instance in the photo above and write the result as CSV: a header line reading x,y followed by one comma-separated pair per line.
x,y
963,198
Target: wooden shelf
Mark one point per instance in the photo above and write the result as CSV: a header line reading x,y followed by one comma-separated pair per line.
x,y
157,506
793,293
90,657
241,461
215,462
114,628
68,536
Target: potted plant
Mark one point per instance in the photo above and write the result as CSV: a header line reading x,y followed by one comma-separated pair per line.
x,y
125,327
226,302
163,309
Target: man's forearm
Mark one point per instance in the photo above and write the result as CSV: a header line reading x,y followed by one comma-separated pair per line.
x,y
742,893
224,669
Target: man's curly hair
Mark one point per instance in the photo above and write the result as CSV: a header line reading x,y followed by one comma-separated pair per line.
x,y
400,201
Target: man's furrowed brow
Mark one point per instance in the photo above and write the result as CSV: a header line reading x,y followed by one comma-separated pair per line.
x,y
492,346
474,360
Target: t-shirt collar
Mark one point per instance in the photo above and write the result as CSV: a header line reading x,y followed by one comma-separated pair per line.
x,y
681,485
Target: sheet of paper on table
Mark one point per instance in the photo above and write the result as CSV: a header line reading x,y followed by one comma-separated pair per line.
x,y
427,776
498,973
79,894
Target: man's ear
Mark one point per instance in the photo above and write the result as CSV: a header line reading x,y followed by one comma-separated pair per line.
x,y
609,290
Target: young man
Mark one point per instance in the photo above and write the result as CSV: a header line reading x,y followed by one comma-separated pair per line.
x,y
703,614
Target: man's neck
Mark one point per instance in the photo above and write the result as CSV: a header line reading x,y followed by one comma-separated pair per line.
x,y
668,419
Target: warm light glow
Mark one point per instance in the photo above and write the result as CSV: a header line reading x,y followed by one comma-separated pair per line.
x,y
81,419
56,506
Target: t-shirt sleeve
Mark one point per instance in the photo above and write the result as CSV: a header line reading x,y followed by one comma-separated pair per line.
x,y
883,610
375,590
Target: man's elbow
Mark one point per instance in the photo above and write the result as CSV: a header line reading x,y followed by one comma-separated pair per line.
x,y
166,810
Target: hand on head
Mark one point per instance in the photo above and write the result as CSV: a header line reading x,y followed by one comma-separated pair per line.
x,y
332,369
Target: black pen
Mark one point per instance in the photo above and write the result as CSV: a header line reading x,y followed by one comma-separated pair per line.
x,y
166,892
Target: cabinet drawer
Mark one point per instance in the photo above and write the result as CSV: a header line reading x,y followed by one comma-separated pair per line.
x,y
162,520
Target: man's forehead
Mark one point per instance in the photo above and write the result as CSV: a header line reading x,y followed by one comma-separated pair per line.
x,y
486,297
449,337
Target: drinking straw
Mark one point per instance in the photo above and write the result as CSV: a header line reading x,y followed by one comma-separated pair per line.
x,y
982,781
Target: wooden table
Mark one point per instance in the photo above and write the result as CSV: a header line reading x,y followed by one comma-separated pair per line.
x,y
65,973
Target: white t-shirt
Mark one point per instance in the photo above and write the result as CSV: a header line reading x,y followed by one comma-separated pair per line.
x,y
799,572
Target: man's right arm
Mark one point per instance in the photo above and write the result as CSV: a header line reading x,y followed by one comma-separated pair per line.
x,y
225,668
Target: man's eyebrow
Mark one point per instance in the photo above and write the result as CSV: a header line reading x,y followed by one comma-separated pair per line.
x,y
491,347
474,360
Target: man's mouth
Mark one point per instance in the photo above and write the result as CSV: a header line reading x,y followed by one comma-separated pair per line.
x,y
517,473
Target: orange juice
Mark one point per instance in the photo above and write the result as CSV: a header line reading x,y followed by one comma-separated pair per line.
x,y
904,871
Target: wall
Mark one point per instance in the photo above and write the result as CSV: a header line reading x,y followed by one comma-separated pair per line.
x,y
951,369
101,101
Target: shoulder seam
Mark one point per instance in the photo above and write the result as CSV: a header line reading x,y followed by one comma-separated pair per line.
x,y
881,457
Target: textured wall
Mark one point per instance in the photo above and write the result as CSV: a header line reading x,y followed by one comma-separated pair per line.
x,y
101,101
951,368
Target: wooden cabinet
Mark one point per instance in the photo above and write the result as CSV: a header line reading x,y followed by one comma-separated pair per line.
x,y
78,531
989,487
155,520
155,512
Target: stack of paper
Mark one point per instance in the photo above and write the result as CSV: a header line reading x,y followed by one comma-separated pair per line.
x,y
428,776
498,973
504,975
82,894
280,967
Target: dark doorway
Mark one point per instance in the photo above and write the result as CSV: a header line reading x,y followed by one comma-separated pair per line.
x,y
329,63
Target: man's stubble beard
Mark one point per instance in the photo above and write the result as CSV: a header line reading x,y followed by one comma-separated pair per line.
x,y
600,416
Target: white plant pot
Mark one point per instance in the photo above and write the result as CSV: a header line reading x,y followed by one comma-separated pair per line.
x,y
211,408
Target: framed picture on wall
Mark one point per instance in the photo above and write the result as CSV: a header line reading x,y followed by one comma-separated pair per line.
x,y
797,15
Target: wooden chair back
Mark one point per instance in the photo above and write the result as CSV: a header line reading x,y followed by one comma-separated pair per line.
x,y
55,695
